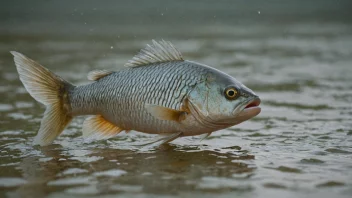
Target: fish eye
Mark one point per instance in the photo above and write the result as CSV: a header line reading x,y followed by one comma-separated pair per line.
x,y
231,93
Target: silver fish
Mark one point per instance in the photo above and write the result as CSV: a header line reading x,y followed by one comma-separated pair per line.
x,y
158,93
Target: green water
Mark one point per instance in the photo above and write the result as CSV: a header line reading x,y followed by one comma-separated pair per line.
x,y
298,60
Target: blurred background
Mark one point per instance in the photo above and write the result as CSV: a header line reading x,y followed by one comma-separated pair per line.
x,y
296,55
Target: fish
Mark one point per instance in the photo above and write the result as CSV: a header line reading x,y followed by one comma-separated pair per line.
x,y
159,92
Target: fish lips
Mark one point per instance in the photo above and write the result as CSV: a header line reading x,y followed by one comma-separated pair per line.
x,y
249,110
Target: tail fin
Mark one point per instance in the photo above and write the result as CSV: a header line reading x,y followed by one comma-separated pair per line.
x,y
49,89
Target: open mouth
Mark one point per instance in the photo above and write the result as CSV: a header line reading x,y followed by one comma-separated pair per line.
x,y
251,110
254,103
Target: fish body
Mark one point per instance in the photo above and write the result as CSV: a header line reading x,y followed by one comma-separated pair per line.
x,y
158,93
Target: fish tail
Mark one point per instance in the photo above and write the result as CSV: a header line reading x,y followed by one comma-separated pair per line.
x,y
50,90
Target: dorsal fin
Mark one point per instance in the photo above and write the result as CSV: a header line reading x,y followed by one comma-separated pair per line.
x,y
158,52
97,74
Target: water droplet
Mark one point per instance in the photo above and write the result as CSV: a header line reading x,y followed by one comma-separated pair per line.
x,y
258,12
111,47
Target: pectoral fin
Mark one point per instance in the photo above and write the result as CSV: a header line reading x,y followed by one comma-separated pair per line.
x,y
96,127
164,113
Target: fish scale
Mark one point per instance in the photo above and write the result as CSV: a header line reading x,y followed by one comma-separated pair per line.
x,y
122,102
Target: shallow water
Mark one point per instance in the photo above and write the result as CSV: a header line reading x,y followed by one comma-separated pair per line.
x,y
299,146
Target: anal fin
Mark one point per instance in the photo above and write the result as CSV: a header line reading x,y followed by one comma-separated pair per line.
x,y
96,127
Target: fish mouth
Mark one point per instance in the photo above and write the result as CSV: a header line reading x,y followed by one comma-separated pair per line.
x,y
250,110
253,104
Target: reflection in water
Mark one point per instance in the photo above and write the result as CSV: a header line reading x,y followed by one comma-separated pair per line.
x,y
167,170
38,172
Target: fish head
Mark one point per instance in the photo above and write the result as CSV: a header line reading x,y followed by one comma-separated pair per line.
x,y
221,101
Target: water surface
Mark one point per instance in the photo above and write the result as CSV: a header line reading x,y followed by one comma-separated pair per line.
x,y
299,62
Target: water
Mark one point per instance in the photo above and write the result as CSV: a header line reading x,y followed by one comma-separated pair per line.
x,y
299,61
